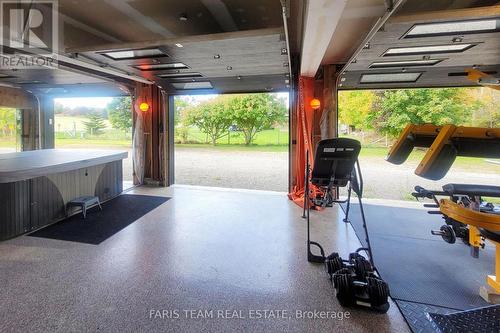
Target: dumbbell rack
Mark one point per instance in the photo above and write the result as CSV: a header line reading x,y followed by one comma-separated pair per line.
x,y
354,280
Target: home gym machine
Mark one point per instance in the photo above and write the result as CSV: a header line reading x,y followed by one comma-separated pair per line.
x,y
466,214
354,279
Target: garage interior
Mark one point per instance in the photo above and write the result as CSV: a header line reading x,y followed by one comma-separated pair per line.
x,y
160,249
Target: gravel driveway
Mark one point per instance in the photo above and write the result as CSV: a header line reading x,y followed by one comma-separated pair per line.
x,y
269,171
234,169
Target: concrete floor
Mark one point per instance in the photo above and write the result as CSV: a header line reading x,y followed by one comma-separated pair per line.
x,y
206,249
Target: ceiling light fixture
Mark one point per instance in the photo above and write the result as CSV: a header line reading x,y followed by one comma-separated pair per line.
x,y
183,17
453,28
229,68
457,39
152,67
405,63
179,45
428,49
390,77
178,75
192,85
217,56
134,54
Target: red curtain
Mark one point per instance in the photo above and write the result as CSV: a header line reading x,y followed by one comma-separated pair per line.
x,y
304,138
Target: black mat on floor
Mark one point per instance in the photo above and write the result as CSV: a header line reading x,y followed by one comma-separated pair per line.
x,y
416,315
419,267
99,225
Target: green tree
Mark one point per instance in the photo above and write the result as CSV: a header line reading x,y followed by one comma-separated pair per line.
x,y
487,112
394,109
95,124
7,122
354,108
120,113
212,117
253,113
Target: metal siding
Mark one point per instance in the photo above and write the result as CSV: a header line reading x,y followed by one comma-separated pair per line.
x,y
31,204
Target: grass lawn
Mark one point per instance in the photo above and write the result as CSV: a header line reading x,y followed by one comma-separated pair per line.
x,y
93,143
242,147
67,123
275,137
8,142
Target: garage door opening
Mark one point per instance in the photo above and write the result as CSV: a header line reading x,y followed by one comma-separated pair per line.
x,y
96,123
377,117
232,140
9,131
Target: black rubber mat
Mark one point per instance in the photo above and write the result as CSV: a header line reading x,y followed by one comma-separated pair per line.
x,y
420,267
100,225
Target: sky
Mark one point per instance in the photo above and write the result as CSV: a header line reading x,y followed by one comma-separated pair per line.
x,y
102,102
93,102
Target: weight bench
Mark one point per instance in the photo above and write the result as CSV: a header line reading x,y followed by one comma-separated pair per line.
x,y
85,203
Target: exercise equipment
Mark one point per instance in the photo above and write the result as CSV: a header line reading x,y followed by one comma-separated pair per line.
x,y
355,280
445,143
467,216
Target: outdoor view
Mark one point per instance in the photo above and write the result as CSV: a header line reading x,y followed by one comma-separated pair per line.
x,y
95,123
241,140
235,141
377,117
9,141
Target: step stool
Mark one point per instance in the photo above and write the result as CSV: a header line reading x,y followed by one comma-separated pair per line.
x,y
84,203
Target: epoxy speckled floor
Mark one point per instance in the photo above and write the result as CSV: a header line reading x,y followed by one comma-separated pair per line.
x,y
205,249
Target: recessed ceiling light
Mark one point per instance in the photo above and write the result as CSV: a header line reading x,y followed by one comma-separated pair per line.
x,y
217,56
239,77
134,54
179,45
192,85
183,17
152,67
229,68
284,51
405,63
390,77
178,75
285,64
457,39
430,49
453,28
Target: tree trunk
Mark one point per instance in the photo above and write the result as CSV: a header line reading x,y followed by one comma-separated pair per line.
x,y
248,139
214,141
